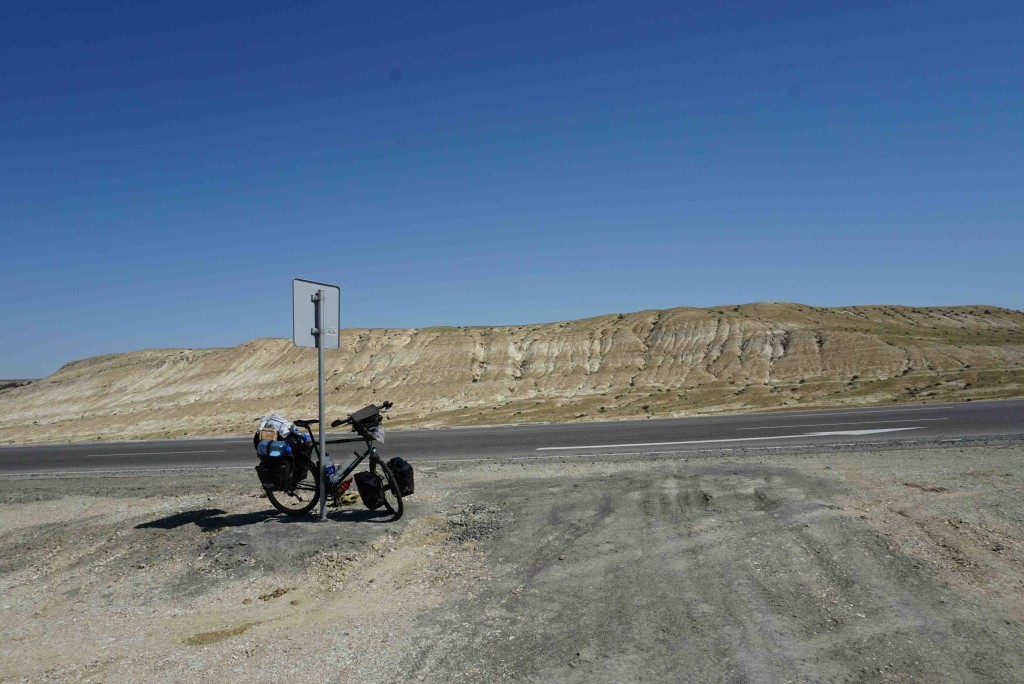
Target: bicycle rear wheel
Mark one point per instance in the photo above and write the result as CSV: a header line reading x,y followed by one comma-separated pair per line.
x,y
303,497
392,495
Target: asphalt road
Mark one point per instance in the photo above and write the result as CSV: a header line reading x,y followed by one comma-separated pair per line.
x,y
509,442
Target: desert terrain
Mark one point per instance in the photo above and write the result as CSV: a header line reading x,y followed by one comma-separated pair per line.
x,y
857,561
674,362
873,563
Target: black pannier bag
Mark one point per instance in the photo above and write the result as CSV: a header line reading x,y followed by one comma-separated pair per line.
x,y
301,449
300,468
275,473
277,469
403,473
370,490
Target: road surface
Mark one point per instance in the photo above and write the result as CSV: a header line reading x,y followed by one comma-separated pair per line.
x,y
538,442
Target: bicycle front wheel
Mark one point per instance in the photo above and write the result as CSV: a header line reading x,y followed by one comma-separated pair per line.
x,y
392,495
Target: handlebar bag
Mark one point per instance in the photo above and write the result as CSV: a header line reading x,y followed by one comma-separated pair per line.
x,y
403,473
370,489
368,414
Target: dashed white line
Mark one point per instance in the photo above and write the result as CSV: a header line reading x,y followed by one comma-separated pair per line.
x,y
156,453
846,412
133,471
860,422
732,439
676,452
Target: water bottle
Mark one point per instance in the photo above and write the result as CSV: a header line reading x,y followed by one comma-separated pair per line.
x,y
273,448
347,464
333,474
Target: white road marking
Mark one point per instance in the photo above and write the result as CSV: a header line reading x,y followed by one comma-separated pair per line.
x,y
501,459
733,439
846,412
154,469
156,453
860,422
676,452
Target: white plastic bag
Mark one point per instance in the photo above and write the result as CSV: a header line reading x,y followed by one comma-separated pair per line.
x,y
283,426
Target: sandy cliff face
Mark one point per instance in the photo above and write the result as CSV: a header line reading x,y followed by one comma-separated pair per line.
x,y
651,363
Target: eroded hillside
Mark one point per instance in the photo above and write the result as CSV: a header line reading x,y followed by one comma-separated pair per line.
x,y
650,363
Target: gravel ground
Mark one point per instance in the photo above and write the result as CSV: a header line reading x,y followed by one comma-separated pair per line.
x,y
853,564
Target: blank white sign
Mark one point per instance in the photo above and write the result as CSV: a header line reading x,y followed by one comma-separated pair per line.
x,y
304,313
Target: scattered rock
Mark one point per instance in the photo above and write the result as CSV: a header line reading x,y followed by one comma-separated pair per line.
x,y
935,489
277,593
474,523
205,638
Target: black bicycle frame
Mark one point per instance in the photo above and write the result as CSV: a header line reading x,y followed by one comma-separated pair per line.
x,y
371,451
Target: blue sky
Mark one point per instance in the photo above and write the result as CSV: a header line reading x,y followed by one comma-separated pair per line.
x,y
168,168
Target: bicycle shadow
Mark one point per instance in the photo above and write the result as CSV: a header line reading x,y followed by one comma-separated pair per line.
x,y
209,519
180,519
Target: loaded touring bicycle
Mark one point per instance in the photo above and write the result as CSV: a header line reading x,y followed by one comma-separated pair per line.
x,y
289,467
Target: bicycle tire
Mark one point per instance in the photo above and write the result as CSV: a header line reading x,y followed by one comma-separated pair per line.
x,y
396,508
309,485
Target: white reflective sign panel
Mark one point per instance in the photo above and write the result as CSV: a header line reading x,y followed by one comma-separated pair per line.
x,y
304,313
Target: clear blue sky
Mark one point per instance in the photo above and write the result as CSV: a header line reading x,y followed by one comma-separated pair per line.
x,y
168,168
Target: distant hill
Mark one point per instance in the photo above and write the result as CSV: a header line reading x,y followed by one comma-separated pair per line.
x,y
673,362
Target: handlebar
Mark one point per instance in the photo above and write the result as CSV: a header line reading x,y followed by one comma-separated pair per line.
x,y
362,414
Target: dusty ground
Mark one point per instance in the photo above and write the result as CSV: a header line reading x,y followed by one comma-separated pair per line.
x,y
745,565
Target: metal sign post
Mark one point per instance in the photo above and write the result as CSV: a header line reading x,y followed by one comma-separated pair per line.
x,y
318,300
321,331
